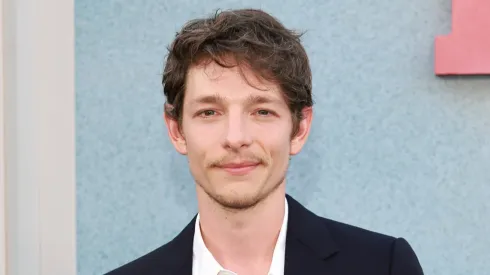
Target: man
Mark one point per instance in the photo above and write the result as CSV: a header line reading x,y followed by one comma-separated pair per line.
x,y
238,89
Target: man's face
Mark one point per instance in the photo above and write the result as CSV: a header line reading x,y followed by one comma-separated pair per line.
x,y
237,136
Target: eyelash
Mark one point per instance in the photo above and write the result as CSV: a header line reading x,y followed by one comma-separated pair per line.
x,y
202,113
269,112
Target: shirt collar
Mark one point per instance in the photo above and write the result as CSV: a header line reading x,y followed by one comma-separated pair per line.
x,y
205,264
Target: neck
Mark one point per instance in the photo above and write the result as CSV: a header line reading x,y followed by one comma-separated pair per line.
x,y
240,239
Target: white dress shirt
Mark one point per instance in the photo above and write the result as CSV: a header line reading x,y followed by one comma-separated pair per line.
x,y
203,262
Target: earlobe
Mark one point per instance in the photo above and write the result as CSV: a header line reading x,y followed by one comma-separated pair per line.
x,y
175,134
299,140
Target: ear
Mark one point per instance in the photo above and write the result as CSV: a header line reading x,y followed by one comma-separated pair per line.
x,y
299,140
174,133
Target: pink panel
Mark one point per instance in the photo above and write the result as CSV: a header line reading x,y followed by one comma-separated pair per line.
x,y
466,51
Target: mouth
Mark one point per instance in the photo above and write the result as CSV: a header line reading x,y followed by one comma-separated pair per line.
x,y
239,168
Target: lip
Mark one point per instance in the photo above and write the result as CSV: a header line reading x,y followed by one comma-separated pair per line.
x,y
239,169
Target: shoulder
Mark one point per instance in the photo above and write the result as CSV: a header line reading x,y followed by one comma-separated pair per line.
x,y
346,235
168,258
144,264
373,248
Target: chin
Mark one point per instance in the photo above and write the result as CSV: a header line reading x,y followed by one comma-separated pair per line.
x,y
237,202
234,197
238,194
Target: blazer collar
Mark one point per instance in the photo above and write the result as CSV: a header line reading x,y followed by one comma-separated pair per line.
x,y
308,244
178,256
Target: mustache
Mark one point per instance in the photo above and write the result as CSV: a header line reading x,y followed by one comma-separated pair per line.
x,y
237,158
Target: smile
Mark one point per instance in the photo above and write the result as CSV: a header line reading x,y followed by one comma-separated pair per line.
x,y
239,169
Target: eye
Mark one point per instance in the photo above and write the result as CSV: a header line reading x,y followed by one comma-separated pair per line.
x,y
207,113
263,112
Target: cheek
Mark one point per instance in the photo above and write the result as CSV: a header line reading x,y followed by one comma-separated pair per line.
x,y
200,141
276,141
278,131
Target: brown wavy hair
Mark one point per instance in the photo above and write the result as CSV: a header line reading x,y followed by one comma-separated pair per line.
x,y
253,38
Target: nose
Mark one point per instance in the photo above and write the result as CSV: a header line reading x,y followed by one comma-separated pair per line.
x,y
237,134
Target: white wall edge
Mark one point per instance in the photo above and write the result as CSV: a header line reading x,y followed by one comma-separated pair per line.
x,y
3,224
39,119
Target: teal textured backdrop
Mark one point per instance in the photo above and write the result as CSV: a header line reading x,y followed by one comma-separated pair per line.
x,y
394,148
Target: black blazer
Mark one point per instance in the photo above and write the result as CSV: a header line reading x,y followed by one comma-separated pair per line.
x,y
314,246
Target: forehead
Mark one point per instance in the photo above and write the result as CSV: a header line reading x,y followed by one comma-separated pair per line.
x,y
236,82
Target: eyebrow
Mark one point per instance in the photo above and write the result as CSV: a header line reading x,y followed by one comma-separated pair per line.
x,y
255,99
209,99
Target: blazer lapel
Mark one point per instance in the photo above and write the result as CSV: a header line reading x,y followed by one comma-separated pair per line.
x,y
179,258
308,243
